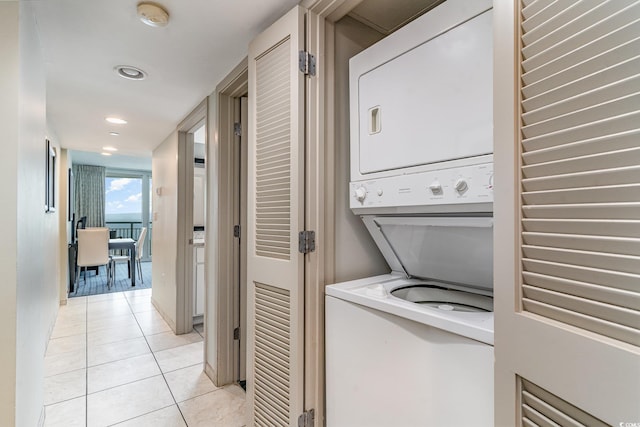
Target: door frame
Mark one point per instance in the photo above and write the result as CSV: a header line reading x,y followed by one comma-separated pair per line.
x,y
184,253
221,268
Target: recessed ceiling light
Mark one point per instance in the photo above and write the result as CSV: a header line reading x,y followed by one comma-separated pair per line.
x,y
130,72
106,154
114,134
152,14
109,148
116,120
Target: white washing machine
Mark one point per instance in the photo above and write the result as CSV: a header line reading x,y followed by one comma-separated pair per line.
x,y
415,347
415,351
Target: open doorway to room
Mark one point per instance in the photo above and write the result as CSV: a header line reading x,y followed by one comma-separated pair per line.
x,y
199,218
110,193
225,352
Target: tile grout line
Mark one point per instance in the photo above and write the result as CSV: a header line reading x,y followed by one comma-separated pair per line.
x,y
86,363
160,368
138,416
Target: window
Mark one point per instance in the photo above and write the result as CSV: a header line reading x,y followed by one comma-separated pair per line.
x,y
123,199
128,205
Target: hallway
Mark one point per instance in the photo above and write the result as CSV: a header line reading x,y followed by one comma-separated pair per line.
x,y
113,360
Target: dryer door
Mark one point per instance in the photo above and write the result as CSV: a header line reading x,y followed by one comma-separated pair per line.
x,y
428,104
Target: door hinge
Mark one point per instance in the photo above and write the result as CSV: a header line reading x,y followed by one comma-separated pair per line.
x,y
306,241
237,129
236,231
307,418
236,334
307,63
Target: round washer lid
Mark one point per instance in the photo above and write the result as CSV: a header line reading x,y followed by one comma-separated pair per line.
x,y
444,299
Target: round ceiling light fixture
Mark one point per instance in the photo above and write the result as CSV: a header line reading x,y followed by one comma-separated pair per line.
x,y
152,14
108,148
130,72
114,133
116,120
105,154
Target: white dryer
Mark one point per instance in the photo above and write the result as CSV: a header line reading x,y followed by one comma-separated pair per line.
x,y
415,347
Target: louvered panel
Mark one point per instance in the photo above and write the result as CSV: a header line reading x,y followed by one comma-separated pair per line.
x,y
541,408
589,308
531,9
616,245
273,152
571,23
590,323
271,355
601,260
617,176
612,296
580,173
557,23
611,159
582,94
546,13
602,70
608,227
597,129
597,30
584,211
612,40
605,278
612,193
615,142
603,111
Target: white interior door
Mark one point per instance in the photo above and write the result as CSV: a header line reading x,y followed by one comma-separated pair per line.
x,y
275,286
567,242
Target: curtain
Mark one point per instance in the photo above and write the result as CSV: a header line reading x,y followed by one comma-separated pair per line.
x,y
89,194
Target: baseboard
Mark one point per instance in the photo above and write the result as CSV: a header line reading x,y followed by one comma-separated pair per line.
x,y
164,315
42,417
198,320
211,373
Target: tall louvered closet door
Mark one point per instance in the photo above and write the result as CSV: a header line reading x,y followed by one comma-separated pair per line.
x,y
275,285
567,211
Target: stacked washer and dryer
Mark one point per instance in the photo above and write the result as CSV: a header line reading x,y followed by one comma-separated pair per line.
x,y
415,347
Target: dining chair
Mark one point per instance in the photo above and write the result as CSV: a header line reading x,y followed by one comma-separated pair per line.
x,y
127,258
93,250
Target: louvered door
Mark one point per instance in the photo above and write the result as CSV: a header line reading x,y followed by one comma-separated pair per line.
x,y
567,208
275,277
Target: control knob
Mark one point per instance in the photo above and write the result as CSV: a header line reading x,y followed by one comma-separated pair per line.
x,y
361,194
435,187
461,185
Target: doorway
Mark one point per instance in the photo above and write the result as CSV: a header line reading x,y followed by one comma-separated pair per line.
x,y
190,249
226,332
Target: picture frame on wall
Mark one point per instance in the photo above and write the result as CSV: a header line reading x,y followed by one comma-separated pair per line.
x,y
50,178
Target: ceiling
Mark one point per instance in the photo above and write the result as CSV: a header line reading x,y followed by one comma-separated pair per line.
x,y
84,40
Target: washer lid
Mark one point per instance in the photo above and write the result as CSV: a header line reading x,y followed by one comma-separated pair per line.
x,y
444,299
449,249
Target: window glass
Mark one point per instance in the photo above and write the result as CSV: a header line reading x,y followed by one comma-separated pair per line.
x,y
123,207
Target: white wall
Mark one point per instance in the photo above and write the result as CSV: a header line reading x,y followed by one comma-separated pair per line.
x,y
356,255
29,260
164,169
9,77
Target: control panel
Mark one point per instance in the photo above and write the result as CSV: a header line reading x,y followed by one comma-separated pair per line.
x,y
460,185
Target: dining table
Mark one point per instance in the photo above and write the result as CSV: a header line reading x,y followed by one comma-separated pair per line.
x,y
129,245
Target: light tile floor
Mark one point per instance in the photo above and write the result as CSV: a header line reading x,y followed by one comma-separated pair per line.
x,y
113,360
